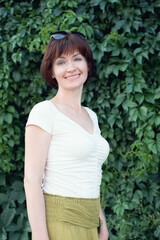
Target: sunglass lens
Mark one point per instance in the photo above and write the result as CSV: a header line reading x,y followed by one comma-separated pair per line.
x,y
58,36
62,34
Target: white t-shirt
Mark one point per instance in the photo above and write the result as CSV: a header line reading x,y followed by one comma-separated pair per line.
x,y
75,157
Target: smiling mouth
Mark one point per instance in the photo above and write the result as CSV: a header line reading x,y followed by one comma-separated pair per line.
x,y
72,77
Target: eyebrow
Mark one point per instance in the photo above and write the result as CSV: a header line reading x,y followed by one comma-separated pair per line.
x,y
73,55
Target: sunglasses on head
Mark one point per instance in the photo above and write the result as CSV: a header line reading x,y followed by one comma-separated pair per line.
x,y
63,34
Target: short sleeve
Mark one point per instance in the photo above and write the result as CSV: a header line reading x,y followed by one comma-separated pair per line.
x,y
41,116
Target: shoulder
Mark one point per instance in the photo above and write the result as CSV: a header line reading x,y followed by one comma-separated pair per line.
x,y
42,108
91,113
41,105
42,115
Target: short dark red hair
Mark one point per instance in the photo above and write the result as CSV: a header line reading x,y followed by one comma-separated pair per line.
x,y
67,45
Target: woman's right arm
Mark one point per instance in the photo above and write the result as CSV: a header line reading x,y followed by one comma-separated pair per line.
x,y
36,148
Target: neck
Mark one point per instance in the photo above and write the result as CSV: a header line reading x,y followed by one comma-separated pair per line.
x,y
69,98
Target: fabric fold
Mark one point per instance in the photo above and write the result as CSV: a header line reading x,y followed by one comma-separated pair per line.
x,y
81,212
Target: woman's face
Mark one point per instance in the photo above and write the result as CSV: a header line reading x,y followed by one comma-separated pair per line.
x,y
70,71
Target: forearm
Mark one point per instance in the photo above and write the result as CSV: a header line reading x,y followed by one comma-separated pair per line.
x,y
103,229
36,211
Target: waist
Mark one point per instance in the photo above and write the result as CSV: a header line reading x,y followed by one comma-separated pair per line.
x,y
82,212
73,184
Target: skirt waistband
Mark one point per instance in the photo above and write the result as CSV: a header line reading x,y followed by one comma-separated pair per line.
x,y
82,212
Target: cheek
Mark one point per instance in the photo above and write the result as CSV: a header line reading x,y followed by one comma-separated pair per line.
x,y
85,67
56,73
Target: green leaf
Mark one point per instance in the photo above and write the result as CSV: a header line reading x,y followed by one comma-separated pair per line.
x,y
51,4
3,236
143,111
89,31
145,54
20,221
137,50
139,59
13,228
8,118
119,100
3,12
111,120
119,24
139,98
129,88
133,114
149,98
157,121
11,142
102,6
22,33
3,197
24,236
158,137
138,88
114,1
15,235
157,232
7,216
116,70
17,185
131,104
123,67
5,84
95,2
109,70
16,76
115,51
157,94
11,109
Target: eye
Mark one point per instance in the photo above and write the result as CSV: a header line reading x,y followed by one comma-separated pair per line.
x,y
59,62
78,59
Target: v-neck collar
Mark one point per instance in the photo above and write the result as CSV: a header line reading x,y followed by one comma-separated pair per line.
x,y
91,134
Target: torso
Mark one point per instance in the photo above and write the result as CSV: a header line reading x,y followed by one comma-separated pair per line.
x,y
75,156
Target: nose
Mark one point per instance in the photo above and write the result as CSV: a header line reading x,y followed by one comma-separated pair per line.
x,y
71,66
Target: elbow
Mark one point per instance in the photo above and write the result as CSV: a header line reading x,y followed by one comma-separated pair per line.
x,y
27,183
31,183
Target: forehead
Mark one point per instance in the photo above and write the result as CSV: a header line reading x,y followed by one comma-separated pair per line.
x,y
65,55
67,51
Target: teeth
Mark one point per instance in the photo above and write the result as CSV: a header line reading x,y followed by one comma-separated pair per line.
x,y
74,76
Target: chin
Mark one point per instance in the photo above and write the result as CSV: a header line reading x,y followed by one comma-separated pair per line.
x,y
74,85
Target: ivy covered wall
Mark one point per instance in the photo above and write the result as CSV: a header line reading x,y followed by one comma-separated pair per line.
x,y
124,92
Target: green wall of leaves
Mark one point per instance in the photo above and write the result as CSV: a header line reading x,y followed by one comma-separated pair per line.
x,y
124,91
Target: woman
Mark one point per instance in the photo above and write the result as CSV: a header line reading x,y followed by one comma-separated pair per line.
x,y
64,149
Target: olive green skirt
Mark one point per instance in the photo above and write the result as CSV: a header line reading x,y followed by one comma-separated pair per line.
x,y
71,218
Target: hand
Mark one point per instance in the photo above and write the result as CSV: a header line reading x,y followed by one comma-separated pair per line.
x,y
103,236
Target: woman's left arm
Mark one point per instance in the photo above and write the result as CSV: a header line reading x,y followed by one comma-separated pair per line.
x,y
103,234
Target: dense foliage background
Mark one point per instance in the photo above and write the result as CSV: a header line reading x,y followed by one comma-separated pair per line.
x,y
124,91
